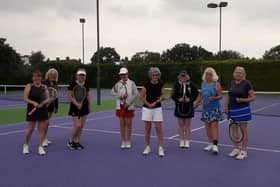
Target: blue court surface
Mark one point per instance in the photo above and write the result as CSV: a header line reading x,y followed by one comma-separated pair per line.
x,y
103,164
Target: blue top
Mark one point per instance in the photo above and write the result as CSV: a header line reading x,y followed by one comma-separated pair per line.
x,y
207,91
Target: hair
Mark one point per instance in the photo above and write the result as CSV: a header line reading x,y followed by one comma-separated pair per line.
x,y
37,72
51,71
212,70
242,69
155,70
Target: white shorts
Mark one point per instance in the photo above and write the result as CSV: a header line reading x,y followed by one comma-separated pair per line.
x,y
152,114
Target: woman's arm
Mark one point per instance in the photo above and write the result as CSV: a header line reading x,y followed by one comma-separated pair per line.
x,y
219,93
251,97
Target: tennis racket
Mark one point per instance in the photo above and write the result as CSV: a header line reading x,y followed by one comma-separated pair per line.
x,y
79,93
184,108
42,98
52,93
236,133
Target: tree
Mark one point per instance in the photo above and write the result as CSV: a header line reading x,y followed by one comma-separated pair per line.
x,y
229,54
36,58
273,53
185,53
107,55
10,60
146,56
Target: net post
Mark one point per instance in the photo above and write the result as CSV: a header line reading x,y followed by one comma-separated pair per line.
x,y
5,90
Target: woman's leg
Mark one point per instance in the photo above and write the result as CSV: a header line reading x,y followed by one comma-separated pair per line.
x,y
128,128
245,136
148,125
29,131
42,126
187,128
181,129
158,126
83,120
214,128
122,128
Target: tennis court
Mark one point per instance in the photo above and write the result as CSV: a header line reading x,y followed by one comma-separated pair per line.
x,y
103,163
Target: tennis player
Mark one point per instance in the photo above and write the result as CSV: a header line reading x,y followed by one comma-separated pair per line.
x,y
51,79
184,94
151,95
237,106
78,111
210,96
36,95
125,92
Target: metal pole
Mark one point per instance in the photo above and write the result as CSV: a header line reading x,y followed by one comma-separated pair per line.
x,y
83,43
98,56
220,35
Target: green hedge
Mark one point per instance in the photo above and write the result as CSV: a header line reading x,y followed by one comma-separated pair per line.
x,y
264,75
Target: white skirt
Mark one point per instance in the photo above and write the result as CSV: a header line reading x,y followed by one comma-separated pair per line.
x,y
152,114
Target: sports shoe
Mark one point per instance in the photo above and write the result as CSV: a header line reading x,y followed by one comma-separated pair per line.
x,y
25,149
187,144
123,145
208,147
79,146
147,150
128,145
46,142
181,143
234,152
71,145
160,151
41,151
242,155
215,149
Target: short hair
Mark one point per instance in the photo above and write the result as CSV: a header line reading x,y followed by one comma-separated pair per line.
x,y
241,69
51,71
154,70
212,70
37,73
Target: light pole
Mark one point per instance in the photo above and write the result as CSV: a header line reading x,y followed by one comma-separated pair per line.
x,y
98,57
220,5
82,21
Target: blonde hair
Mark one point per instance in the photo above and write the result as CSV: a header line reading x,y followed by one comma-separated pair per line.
x,y
242,69
51,71
212,70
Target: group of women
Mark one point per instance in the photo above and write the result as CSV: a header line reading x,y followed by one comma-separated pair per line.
x,y
184,93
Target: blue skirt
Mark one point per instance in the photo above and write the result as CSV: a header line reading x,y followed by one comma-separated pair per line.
x,y
240,114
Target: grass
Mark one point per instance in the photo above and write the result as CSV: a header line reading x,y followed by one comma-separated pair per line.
x,y
11,116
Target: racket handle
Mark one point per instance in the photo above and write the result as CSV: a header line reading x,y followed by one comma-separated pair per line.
x,y
32,111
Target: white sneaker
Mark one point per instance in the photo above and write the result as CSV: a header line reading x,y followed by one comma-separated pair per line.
x,y
41,150
25,149
208,147
187,144
123,145
234,152
160,151
147,150
181,143
215,149
46,142
242,155
128,145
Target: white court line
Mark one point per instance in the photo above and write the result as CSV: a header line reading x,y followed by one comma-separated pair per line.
x,y
11,132
194,141
265,107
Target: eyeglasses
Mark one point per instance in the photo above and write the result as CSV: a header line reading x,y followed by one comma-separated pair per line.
x,y
154,75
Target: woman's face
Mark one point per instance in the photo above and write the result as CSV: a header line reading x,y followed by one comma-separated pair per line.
x,y
238,74
52,77
124,77
36,78
81,78
209,76
154,77
184,79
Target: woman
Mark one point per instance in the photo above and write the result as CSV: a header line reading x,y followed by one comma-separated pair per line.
x,y
51,79
78,111
211,94
36,96
237,106
184,94
152,112
125,92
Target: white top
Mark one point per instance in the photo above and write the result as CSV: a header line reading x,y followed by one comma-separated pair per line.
x,y
121,88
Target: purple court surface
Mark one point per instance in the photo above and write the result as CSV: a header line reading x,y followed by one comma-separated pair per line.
x,y
103,164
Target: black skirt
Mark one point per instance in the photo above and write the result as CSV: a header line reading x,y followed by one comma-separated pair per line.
x,y
40,114
184,110
74,111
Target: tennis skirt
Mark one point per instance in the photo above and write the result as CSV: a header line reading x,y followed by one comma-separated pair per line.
x,y
184,112
152,114
40,114
240,114
212,116
123,113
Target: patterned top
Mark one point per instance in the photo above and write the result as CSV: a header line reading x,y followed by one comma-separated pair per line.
x,y
208,91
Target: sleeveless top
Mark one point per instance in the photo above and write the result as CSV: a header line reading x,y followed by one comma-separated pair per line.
x,y
207,91
153,92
